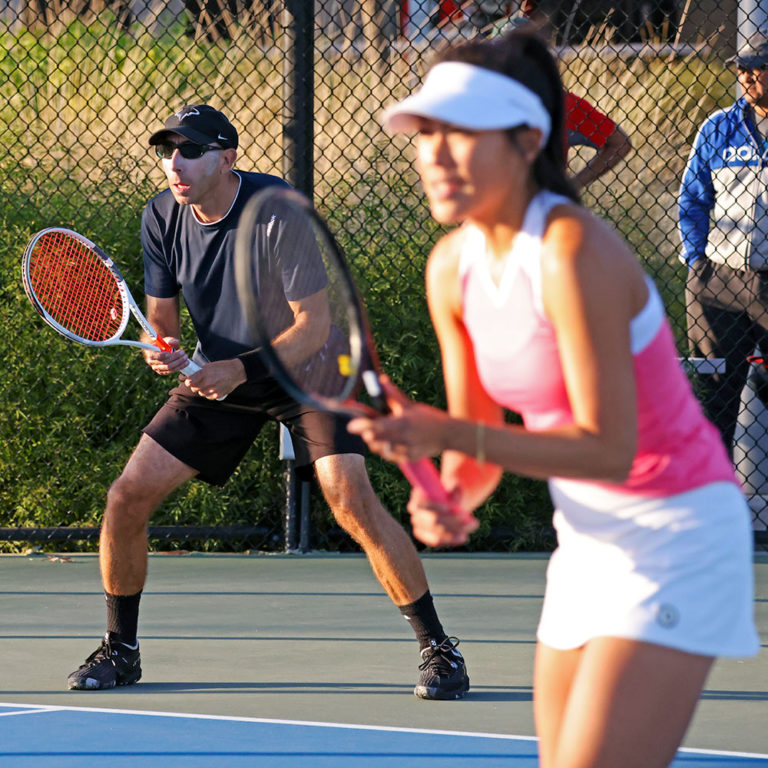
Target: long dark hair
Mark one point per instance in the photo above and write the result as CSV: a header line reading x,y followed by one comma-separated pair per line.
x,y
524,56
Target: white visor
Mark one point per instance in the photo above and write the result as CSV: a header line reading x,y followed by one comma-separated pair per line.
x,y
471,97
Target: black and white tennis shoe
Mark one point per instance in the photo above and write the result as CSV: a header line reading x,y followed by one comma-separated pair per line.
x,y
112,663
443,672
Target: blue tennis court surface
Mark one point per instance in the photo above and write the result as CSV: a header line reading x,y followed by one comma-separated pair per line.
x,y
69,737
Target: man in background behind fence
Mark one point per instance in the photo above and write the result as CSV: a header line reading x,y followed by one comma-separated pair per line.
x,y
723,210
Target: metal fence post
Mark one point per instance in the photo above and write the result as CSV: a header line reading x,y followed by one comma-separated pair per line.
x,y
298,94
298,169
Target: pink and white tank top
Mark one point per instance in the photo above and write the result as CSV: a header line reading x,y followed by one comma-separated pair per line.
x,y
518,360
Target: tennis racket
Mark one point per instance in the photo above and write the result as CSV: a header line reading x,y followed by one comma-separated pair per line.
x,y
287,258
79,292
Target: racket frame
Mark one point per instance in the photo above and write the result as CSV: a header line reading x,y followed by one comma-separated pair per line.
x,y
421,473
360,336
128,303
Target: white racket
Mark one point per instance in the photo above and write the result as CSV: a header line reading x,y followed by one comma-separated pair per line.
x,y
77,289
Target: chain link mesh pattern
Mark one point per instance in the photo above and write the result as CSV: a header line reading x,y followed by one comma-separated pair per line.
x,y
84,82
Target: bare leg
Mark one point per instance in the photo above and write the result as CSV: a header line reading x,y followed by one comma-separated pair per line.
x,y
552,681
616,702
396,564
391,553
149,476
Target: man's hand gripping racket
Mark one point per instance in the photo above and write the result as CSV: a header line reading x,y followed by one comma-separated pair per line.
x,y
291,274
79,292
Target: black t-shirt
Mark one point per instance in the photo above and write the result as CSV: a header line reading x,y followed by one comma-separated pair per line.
x,y
184,255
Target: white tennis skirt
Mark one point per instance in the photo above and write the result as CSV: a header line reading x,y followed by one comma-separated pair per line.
x,y
676,571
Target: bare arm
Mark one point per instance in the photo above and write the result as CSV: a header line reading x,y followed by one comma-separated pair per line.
x,y
467,399
309,330
415,430
163,316
616,147
592,288
307,334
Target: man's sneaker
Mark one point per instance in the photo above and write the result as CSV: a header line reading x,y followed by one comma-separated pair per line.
x,y
111,664
443,672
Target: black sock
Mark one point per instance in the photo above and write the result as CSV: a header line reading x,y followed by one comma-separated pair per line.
x,y
422,617
123,616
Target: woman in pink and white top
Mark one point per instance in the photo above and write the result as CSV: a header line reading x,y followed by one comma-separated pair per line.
x,y
540,307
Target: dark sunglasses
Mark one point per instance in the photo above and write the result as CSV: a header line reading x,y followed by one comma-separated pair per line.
x,y
188,150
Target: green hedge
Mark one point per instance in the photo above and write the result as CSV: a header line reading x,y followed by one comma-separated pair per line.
x,y
72,414
75,107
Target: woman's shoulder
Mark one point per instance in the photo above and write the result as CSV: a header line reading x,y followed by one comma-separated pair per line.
x,y
446,253
572,230
579,246
443,265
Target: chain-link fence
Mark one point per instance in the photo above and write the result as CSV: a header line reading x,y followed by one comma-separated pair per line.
x,y
82,85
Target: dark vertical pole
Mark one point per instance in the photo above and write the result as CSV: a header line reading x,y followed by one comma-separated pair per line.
x,y
298,94
305,492
298,169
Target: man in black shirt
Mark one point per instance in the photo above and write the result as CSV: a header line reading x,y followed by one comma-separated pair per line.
x,y
188,235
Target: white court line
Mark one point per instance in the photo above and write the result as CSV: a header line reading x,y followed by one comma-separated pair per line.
x,y
692,751
271,721
36,711
350,726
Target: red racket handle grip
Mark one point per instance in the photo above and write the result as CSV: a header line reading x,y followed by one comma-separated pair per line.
x,y
163,345
423,474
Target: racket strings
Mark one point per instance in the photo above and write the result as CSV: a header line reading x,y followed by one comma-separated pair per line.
x,y
75,287
331,370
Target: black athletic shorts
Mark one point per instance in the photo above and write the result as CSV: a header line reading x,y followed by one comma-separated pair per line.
x,y
213,437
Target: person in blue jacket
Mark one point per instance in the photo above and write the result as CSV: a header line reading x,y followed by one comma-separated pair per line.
x,y
723,212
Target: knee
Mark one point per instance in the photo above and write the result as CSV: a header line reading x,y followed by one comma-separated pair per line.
x,y
128,507
358,512
356,508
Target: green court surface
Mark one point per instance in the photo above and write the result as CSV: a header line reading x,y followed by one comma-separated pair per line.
x,y
312,638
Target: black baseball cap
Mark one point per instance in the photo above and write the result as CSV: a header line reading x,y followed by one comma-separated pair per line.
x,y
753,52
198,123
